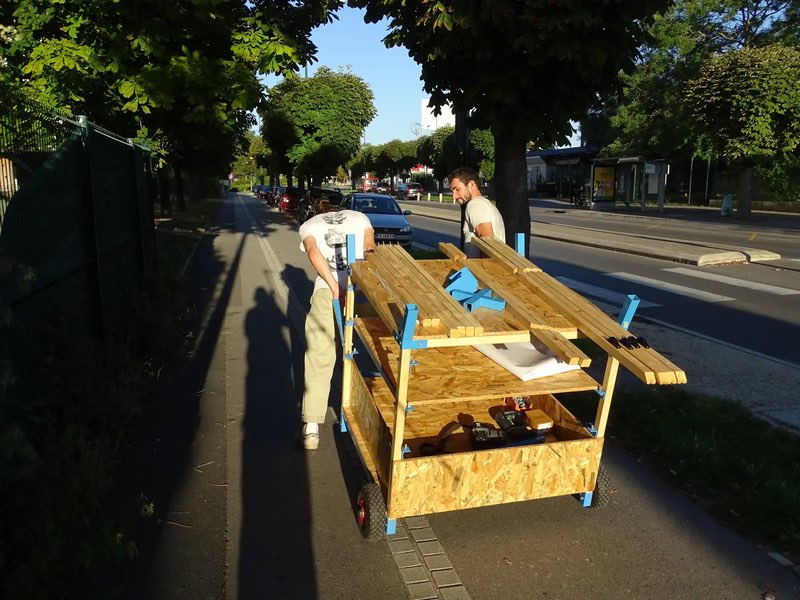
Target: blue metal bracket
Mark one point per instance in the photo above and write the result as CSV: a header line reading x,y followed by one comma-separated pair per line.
x,y
600,392
351,248
414,362
463,279
627,311
585,499
406,449
342,423
409,408
406,337
519,241
483,298
337,312
391,526
590,427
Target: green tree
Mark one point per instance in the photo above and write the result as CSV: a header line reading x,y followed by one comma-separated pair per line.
x,y
321,120
745,107
182,82
520,68
651,119
439,152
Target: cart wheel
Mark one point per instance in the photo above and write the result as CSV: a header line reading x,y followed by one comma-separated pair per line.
x,y
371,512
602,490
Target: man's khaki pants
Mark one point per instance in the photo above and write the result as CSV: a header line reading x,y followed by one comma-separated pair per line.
x,y
320,356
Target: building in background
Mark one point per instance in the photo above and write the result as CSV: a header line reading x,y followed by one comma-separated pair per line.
x,y
429,122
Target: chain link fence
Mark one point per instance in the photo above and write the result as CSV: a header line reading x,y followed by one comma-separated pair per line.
x,y
77,238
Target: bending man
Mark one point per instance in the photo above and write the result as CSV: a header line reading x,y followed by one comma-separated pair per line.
x,y
324,238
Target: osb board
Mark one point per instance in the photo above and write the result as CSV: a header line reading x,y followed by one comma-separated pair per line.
x,y
498,322
426,423
446,482
462,373
369,431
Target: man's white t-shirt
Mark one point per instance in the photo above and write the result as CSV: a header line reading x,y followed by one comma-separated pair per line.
x,y
479,210
330,231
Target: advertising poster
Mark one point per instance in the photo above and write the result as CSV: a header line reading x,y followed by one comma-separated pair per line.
x,y
603,184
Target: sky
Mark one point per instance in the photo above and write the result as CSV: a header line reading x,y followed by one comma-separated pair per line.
x,y
391,74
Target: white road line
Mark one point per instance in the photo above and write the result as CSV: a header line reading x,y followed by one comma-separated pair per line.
x,y
752,285
616,298
671,287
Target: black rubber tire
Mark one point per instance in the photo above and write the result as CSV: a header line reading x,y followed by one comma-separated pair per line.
x,y
603,490
371,512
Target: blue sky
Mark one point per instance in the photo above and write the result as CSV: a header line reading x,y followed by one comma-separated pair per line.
x,y
391,75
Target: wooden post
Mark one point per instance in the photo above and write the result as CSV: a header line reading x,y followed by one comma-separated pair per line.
x,y
612,368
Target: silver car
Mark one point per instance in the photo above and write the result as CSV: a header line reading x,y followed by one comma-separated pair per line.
x,y
387,218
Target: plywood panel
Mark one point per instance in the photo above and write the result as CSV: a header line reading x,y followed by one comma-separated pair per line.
x,y
448,482
463,373
369,430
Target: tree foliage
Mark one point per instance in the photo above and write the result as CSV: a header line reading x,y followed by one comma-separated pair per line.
x,y
651,118
183,81
317,122
520,68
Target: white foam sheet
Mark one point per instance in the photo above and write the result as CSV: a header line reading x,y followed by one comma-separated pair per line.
x,y
526,360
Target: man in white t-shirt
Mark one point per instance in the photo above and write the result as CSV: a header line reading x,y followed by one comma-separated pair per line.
x,y
324,238
482,219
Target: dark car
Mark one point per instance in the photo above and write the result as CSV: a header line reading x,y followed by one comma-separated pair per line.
x,y
273,194
307,203
408,191
289,200
387,218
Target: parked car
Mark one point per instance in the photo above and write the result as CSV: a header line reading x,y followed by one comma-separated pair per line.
x,y
306,210
408,191
387,218
289,200
381,188
273,193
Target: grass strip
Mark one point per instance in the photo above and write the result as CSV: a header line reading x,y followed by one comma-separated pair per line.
x,y
738,466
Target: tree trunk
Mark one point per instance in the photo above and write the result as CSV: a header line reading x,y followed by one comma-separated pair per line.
x,y
509,185
744,197
163,192
179,198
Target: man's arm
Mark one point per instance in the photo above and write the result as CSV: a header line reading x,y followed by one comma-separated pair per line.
x,y
369,240
321,265
484,230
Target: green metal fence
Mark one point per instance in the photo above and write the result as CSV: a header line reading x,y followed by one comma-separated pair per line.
x,y
76,226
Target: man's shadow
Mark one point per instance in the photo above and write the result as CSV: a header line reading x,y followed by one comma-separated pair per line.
x,y
275,553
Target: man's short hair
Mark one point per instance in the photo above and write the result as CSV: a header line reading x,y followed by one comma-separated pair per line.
x,y
323,205
465,175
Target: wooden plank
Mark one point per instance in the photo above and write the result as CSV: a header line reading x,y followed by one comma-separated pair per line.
x,y
369,429
390,313
496,321
646,363
505,254
540,328
449,310
387,274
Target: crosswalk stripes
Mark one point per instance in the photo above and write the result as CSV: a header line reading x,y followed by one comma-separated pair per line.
x,y
671,287
752,285
614,298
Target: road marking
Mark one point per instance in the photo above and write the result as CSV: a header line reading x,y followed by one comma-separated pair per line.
x,y
752,285
671,287
616,298
752,237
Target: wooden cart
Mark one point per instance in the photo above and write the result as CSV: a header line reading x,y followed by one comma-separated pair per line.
x,y
425,374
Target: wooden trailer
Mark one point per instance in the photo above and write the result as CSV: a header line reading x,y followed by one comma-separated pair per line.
x,y
425,375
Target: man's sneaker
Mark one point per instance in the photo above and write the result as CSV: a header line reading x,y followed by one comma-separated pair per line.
x,y
311,436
